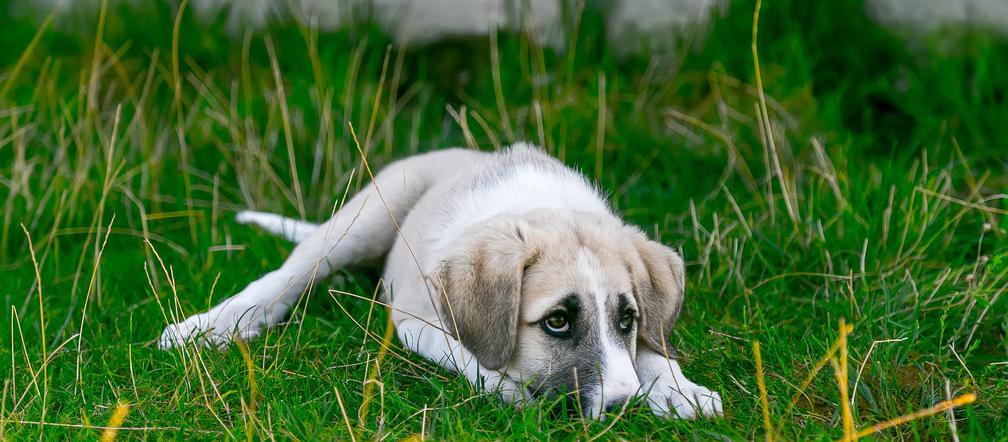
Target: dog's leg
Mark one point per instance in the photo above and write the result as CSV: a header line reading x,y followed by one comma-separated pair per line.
x,y
428,340
669,393
289,228
362,230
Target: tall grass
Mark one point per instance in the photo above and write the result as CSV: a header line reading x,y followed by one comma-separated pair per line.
x,y
840,177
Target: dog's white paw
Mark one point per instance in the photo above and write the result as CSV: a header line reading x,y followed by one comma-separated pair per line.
x,y
685,400
215,328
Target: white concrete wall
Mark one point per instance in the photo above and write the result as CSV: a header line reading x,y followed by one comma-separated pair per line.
x,y
918,18
632,25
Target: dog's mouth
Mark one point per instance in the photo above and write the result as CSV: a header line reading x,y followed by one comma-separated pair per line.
x,y
567,404
565,392
562,400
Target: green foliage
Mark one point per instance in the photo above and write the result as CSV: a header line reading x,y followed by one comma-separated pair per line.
x,y
869,206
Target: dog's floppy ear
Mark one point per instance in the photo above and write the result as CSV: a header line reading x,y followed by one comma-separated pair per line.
x,y
659,279
478,287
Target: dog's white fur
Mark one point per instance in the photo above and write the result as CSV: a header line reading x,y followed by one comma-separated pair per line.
x,y
422,212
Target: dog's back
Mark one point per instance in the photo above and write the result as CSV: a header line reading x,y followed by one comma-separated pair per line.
x,y
519,179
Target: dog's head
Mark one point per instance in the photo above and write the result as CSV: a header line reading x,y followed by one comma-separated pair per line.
x,y
561,300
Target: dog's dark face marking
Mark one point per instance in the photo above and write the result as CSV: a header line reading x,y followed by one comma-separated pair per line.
x,y
574,345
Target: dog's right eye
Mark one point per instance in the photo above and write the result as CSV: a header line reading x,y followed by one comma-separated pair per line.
x,y
556,324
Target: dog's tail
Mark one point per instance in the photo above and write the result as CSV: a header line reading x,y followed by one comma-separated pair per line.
x,y
289,228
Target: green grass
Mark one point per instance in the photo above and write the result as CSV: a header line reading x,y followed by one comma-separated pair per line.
x,y
890,165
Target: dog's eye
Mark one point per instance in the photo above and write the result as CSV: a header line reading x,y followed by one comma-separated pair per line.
x,y
556,324
627,320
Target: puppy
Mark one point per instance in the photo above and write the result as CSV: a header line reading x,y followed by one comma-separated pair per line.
x,y
508,267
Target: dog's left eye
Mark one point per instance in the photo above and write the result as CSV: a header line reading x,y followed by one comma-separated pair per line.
x,y
556,324
627,320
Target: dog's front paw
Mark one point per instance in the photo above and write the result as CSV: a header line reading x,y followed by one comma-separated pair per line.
x,y
215,328
684,400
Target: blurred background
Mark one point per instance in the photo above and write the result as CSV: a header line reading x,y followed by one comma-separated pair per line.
x,y
814,161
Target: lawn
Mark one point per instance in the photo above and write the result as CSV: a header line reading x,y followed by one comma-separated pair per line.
x,y
856,179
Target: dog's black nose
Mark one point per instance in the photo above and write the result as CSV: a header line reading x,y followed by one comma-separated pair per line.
x,y
616,404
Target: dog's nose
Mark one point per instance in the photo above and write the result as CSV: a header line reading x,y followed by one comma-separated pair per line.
x,y
616,404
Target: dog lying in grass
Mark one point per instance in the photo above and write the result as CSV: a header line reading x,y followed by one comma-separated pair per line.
x,y
508,267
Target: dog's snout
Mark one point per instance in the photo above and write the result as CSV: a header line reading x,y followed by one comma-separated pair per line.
x,y
616,404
